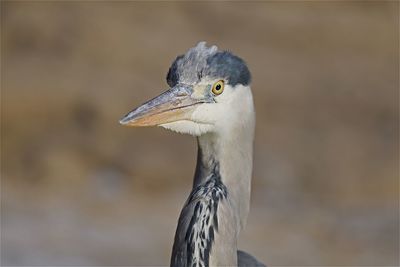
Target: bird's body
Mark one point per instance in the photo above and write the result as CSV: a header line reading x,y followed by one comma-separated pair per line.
x,y
210,98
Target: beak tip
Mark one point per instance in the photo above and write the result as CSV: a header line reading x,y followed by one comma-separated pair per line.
x,y
124,121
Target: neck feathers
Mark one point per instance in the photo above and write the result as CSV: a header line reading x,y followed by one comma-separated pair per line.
x,y
198,223
217,207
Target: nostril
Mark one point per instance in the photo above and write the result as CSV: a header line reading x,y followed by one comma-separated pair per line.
x,y
182,94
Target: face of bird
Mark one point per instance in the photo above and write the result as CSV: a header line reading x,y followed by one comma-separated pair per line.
x,y
192,109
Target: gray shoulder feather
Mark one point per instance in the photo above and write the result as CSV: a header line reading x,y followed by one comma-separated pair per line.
x,y
179,251
245,259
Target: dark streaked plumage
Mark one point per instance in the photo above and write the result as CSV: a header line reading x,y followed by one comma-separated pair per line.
x,y
198,222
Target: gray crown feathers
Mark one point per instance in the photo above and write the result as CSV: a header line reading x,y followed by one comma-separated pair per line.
x,y
202,61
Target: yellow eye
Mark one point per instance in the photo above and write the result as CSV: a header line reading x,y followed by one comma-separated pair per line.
x,y
218,87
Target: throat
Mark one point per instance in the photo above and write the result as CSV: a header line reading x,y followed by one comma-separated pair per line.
x,y
233,153
217,207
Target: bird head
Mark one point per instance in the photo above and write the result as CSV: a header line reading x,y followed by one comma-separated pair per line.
x,y
209,92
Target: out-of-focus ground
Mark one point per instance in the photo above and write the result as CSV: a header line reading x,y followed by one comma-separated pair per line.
x,y
79,189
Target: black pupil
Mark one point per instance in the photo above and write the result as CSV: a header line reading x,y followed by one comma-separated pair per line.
x,y
218,87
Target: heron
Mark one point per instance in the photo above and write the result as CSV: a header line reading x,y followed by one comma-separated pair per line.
x,y
209,98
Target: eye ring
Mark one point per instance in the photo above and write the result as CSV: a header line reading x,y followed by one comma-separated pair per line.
x,y
218,87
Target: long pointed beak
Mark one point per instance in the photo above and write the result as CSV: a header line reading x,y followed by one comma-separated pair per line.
x,y
173,105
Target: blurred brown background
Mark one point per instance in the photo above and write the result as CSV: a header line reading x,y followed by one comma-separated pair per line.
x,y
79,189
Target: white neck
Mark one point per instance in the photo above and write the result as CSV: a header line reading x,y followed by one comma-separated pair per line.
x,y
232,149
234,154
217,208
